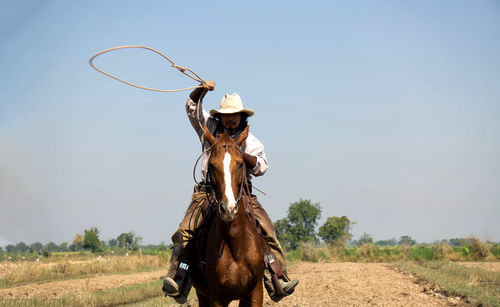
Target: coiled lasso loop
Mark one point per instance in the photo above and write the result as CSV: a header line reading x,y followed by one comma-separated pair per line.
x,y
188,72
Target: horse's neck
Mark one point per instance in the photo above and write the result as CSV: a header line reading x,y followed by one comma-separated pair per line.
x,y
235,234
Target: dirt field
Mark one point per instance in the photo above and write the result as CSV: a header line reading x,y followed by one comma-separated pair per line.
x,y
358,284
321,284
61,288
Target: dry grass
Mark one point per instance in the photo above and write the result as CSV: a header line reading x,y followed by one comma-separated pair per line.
x,y
478,250
85,298
480,286
474,250
365,251
442,251
28,272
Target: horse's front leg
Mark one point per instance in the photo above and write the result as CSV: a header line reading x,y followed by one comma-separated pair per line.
x,y
216,303
255,297
203,301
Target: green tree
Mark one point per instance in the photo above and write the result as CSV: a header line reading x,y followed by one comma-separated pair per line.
x,y
135,244
406,240
113,242
9,248
282,228
300,223
126,240
457,242
390,242
365,239
64,247
336,230
36,247
22,247
77,243
91,240
51,247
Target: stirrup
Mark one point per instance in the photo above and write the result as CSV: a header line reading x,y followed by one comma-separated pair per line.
x,y
179,286
282,288
170,287
289,286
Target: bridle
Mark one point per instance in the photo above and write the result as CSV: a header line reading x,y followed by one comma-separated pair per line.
x,y
212,197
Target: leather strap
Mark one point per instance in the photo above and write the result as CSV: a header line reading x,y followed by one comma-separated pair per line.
x,y
277,286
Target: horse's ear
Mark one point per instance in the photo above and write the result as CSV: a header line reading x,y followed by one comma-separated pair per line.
x,y
242,136
208,136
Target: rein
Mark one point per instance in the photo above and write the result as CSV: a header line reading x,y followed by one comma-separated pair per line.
x,y
209,151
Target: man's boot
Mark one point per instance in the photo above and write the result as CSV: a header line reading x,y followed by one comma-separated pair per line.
x,y
176,283
287,285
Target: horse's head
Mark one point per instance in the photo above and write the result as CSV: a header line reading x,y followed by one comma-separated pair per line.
x,y
226,171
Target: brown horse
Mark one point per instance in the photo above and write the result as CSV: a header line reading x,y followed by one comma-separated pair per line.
x,y
232,257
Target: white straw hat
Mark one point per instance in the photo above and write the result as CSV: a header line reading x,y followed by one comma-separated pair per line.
x,y
231,104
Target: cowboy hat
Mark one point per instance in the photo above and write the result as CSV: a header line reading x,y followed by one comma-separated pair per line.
x,y
231,104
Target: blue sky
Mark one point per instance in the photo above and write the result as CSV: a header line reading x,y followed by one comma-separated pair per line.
x,y
384,111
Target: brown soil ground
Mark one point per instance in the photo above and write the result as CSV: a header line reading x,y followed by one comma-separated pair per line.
x,y
321,284
61,288
358,284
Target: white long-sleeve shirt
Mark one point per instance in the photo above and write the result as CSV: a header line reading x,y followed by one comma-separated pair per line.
x,y
251,146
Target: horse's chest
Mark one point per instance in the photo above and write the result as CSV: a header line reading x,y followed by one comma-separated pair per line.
x,y
236,277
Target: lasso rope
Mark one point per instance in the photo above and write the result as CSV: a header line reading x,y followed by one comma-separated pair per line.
x,y
183,70
191,74
188,72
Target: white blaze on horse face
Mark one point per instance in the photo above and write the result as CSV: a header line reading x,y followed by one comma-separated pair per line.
x,y
231,202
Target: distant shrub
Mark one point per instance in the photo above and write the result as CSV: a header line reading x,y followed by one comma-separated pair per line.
x,y
339,253
293,255
478,250
473,251
442,251
350,254
365,251
155,251
386,253
495,250
421,253
308,252
405,251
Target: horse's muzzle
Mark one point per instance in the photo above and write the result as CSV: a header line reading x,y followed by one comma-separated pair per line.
x,y
227,216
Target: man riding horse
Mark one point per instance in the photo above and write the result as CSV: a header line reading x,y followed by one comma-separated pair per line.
x,y
231,119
